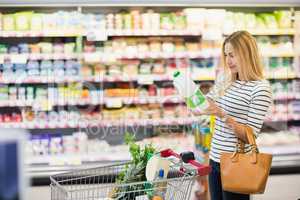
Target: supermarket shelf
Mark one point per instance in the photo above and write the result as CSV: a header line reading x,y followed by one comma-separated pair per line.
x,y
280,76
100,101
99,56
46,33
120,100
272,53
101,123
140,78
69,160
132,32
75,33
289,31
282,117
40,168
40,56
82,123
286,97
158,3
141,32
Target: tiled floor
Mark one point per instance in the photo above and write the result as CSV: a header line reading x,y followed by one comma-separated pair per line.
x,y
285,187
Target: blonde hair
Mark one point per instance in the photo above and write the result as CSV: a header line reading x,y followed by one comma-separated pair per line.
x,y
246,51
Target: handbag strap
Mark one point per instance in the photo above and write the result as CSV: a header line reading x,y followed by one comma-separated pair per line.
x,y
240,148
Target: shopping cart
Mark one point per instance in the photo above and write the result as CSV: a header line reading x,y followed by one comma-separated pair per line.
x,y
99,183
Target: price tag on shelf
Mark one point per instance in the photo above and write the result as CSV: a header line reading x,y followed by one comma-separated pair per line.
x,y
92,57
145,79
1,58
97,35
19,58
113,103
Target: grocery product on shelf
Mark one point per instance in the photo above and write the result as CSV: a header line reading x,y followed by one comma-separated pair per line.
x,y
279,19
77,148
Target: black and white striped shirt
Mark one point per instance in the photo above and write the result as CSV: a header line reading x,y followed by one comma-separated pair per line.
x,y
248,103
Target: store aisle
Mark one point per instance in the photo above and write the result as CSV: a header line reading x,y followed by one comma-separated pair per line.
x,y
281,187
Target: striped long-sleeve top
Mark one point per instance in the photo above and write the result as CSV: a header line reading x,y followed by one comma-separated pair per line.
x,y
248,103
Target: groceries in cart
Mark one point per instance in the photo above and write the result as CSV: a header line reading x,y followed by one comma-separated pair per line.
x,y
151,175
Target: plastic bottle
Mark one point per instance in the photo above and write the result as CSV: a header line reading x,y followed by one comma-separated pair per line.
x,y
160,186
187,88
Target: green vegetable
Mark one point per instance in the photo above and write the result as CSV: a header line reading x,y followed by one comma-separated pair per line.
x,y
135,171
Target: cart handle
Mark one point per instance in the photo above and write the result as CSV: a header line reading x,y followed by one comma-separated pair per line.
x,y
202,170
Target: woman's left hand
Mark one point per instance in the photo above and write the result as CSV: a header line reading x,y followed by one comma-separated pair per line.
x,y
212,109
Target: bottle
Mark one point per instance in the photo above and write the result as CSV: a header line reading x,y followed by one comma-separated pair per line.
x,y
160,186
187,88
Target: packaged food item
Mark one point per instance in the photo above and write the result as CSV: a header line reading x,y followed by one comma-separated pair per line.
x,y
146,21
166,21
33,68
250,21
58,68
136,19
13,50
284,18
127,21
46,47
155,44
130,67
24,48
145,68
179,21
22,93
35,48
158,67
110,21
269,20
86,70
22,20
4,92
20,70
46,67
8,22
118,21
3,49
69,48
155,21
36,23
195,18
72,67
168,45
58,48
1,15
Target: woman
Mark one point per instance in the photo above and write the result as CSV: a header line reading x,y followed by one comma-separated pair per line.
x,y
242,100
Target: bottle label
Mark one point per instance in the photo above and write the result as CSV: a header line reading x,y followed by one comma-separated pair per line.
x,y
195,100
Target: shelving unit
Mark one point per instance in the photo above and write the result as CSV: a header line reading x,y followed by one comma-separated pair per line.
x,y
194,47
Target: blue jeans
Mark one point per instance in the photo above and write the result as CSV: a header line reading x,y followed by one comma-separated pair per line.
x,y
215,186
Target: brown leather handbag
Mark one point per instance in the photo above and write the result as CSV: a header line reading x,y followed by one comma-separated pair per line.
x,y
245,173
